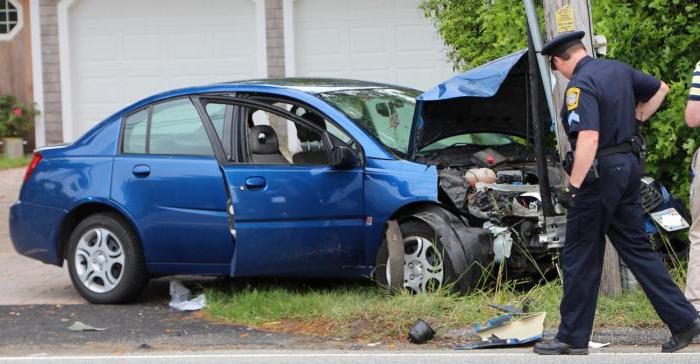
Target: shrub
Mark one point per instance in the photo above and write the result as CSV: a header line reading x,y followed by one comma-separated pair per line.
x,y
15,117
660,37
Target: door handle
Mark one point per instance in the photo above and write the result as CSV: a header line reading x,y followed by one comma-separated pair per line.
x,y
141,170
255,183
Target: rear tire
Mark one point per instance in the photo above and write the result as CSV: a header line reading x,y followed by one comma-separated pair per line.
x,y
421,244
105,260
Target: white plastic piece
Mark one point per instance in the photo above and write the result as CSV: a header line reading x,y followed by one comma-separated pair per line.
x,y
181,298
502,241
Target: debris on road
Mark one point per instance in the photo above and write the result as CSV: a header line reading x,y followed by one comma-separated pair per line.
x,y
145,346
508,330
79,326
595,345
420,332
181,298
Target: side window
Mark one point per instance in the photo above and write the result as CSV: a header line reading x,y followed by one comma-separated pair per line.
x,y
176,129
337,134
217,115
273,139
135,133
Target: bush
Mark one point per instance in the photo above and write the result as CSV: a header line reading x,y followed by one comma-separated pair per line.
x,y
15,117
660,37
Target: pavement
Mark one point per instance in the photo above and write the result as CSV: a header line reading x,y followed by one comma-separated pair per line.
x,y
26,281
511,356
38,303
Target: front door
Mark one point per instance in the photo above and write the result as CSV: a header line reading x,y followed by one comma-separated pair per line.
x,y
294,214
169,181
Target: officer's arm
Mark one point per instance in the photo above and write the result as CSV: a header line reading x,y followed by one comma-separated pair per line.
x,y
645,110
692,114
586,147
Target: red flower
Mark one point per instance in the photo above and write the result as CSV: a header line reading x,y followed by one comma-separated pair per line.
x,y
17,111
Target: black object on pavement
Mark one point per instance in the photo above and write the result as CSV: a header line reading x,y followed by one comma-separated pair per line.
x,y
420,332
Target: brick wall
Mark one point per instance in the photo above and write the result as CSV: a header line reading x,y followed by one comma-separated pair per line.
x,y
52,73
275,38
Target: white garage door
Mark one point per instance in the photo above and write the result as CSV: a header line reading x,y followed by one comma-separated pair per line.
x,y
375,40
121,51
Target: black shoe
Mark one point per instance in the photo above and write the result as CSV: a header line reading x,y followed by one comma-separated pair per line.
x,y
555,347
683,338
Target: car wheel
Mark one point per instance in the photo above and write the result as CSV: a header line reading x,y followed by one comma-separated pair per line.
x,y
426,266
105,260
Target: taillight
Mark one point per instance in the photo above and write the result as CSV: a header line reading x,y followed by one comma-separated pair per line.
x,y
35,160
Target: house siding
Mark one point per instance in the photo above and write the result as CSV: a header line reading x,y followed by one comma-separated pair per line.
x,y
16,66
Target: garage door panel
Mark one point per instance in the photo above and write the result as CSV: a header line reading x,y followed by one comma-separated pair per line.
x,y
135,48
378,40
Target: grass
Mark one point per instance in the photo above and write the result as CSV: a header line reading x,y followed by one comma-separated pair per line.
x,y
360,311
6,163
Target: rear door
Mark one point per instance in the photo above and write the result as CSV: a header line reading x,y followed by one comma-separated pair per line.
x,y
168,178
294,213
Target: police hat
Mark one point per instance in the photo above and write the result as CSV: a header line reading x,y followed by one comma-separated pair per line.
x,y
562,42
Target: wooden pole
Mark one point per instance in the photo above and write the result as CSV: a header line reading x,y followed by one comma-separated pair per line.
x,y
562,16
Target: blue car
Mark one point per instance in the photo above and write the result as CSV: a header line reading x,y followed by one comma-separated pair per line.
x,y
299,178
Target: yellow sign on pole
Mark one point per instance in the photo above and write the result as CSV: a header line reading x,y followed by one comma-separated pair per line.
x,y
565,19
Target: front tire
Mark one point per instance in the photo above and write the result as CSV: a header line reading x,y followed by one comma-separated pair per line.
x,y
427,268
105,260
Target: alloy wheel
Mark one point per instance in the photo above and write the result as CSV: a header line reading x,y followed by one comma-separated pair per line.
x,y
99,260
423,265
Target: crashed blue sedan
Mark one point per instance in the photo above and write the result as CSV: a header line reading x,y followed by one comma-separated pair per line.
x,y
298,177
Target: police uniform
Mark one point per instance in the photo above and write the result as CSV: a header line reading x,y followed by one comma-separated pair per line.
x,y
602,96
692,286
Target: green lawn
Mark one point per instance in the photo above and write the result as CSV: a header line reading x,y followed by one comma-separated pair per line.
x,y
360,311
6,163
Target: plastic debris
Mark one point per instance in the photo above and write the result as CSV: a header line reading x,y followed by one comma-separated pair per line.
x,y
507,308
595,345
181,298
79,326
420,332
508,330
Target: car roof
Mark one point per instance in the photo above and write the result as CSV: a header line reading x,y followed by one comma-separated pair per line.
x,y
313,85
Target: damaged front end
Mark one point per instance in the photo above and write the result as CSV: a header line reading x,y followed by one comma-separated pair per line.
x,y
495,170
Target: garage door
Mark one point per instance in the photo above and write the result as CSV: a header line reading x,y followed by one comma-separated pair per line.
x,y
122,51
376,40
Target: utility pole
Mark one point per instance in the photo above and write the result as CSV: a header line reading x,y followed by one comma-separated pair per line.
x,y
562,16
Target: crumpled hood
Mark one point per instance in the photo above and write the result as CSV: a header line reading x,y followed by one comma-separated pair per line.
x,y
493,97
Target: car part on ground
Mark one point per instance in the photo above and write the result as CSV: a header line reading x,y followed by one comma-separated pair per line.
x,y
420,332
105,260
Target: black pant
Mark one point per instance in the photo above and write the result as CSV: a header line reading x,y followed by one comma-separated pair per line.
x,y
612,206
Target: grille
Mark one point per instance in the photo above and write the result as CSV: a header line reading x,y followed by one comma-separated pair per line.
x,y
651,196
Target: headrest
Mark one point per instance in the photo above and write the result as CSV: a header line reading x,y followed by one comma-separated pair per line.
x,y
262,139
308,134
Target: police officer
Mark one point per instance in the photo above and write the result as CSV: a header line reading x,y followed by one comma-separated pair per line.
x,y
604,102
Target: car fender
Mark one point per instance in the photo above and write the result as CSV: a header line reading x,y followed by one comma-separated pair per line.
x,y
82,203
470,250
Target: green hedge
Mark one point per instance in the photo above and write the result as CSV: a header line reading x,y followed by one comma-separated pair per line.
x,y
660,37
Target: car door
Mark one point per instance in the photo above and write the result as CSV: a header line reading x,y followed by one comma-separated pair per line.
x,y
294,213
168,179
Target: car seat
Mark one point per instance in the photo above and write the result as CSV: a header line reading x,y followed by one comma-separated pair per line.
x,y
312,151
264,146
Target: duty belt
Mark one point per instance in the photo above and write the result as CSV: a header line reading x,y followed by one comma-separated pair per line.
x,y
627,147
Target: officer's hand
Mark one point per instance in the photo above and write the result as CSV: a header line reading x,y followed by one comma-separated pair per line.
x,y
566,196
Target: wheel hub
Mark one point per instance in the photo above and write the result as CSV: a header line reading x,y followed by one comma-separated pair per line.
x,y
423,267
99,260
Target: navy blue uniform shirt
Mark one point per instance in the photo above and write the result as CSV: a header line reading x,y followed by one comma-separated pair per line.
x,y
602,96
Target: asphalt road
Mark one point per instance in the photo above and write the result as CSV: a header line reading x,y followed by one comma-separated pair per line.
x,y
325,357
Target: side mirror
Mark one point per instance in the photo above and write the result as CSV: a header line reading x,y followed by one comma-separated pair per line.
x,y
344,157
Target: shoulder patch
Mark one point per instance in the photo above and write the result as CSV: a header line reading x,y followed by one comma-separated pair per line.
x,y
572,97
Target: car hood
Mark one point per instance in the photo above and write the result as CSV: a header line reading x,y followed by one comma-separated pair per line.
x,y
493,98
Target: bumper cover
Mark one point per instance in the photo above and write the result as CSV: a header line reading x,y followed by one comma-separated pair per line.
x,y
34,231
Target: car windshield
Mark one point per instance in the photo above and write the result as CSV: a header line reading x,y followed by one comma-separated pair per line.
x,y
478,139
386,113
